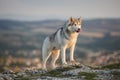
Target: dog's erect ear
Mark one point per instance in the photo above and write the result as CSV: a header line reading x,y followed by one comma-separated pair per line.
x,y
71,19
80,19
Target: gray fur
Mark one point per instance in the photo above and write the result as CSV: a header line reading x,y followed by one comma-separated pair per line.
x,y
58,42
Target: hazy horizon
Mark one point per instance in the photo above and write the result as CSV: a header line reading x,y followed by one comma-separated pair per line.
x,y
62,9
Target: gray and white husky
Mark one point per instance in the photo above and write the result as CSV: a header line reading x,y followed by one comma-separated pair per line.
x,y
57,43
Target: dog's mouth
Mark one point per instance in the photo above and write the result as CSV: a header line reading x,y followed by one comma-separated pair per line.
x,y
78,30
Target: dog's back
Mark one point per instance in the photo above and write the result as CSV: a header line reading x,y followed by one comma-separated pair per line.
x,y
63,38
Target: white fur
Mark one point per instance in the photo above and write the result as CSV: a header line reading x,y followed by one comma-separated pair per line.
x,y
60,44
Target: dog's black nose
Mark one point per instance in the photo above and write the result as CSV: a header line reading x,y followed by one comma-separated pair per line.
x,y
78,30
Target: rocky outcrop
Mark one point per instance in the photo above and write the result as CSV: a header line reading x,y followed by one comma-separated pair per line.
x,y
70,72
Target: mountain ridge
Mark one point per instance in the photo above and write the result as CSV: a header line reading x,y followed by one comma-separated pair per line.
x,y
96,34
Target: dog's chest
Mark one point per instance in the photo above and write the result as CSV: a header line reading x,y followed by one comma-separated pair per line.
x,y
69,43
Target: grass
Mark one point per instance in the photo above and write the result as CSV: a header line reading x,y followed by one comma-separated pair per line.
x,y
22,78
27,77
116,73
111,66
88,76
52,73
57,72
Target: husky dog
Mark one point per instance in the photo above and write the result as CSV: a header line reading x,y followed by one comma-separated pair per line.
x,y
57,43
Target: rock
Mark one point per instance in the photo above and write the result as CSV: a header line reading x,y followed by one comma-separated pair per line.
x,y
21,74
69,72
13,75
43,77
1,78
83,77
7,77
8,72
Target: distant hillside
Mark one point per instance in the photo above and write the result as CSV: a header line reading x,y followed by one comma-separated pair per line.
x,y
96,35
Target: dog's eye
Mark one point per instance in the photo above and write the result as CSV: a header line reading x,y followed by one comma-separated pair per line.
x,y
69,24
75,24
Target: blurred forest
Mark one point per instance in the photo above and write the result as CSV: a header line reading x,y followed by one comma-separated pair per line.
x,y
21,42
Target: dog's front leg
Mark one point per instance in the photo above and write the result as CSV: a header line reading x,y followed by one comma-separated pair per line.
x,y
63,55
72,54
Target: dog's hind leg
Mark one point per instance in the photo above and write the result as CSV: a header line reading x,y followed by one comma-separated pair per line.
x,y
45,56
55,56
45,53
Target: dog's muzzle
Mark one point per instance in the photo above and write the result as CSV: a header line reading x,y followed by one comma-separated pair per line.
x,y
78,30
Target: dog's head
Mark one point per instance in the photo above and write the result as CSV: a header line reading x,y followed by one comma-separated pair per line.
x,y
74,24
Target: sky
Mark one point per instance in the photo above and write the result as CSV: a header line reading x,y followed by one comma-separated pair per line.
x,y
58,9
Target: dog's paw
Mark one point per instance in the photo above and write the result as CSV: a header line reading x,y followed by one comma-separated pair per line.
x,y
53,67
64,64
73,62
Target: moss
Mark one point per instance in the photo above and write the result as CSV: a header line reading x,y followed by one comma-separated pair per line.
x,y
27,77
111,66
88,76
116,74
53,74
57,72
